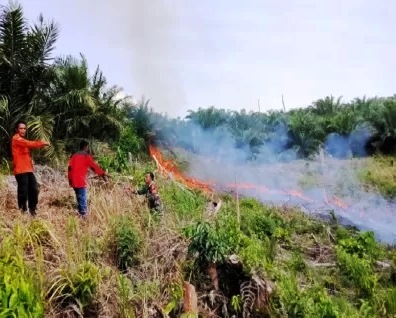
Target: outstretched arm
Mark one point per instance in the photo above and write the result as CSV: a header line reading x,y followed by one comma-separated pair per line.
x,y
94,166
32,144
142,190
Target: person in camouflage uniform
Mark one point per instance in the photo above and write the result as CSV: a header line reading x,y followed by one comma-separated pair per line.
x,y
150,189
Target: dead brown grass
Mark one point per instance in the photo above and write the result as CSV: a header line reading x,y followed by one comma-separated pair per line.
x,y
160,259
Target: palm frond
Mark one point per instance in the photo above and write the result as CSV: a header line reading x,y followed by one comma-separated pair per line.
x,y
41,127
42,37
12,33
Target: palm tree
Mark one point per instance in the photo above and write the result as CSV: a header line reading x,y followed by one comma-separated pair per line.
x,y
305,133
81,106
327,106
25,54
208,118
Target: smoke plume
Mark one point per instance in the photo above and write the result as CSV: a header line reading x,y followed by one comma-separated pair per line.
x,y
145,31
277,176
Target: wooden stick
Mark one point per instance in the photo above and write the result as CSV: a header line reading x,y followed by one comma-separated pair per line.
x,y
325,196
181,186
158,164
237,202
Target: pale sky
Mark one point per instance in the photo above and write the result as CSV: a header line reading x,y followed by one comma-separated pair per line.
x,y
185,54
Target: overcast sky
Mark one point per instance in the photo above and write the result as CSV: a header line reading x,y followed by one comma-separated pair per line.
x,y
185,54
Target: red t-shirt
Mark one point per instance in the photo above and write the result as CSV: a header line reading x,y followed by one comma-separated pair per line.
x,y
79,164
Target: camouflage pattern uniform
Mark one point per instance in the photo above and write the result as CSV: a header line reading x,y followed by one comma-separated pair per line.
x,y
153,199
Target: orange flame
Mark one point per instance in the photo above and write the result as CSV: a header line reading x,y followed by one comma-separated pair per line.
x,y
338,202
170,168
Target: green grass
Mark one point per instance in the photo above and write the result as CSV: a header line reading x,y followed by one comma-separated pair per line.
x,y
380,173
122,262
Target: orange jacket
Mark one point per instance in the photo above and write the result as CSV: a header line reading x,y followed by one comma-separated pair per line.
x,y
21,153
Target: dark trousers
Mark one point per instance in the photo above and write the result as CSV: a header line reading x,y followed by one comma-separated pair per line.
x,y
27,191
82,202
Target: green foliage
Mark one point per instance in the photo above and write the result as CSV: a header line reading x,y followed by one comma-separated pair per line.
x,y
311,302
92,247
59,99
297,263
186,204
123,150
19,293
363,245
176,294
256,255
302,224
236,303
125,290
359,271
63,103
298,132
127,242
390,301
355,257
76,284
380,173
5,167
212,242
261,221
117,161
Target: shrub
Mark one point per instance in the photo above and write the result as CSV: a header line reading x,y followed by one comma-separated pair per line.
x,y
364,244
311,302
213,241
390,301
78,285
19,295
185,204
358,270
258,220
355,257
127,242
39,232
255,254
380,173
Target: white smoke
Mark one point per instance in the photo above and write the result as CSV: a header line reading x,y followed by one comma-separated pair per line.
x,y
318,186
144,31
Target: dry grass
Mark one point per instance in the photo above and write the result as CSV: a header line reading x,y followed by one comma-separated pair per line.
x,y
305,249
74,240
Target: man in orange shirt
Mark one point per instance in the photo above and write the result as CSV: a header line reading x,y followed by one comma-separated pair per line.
x,y
23,168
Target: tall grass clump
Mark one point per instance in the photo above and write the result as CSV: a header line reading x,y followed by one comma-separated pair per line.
x,y
126,241
75,284
356,256
19,290
186,204
380,173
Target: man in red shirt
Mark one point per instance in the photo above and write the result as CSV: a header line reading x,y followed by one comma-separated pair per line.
x,y
23,168
79,164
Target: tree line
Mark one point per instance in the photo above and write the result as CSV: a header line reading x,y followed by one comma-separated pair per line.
x,y
360,127
63,103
